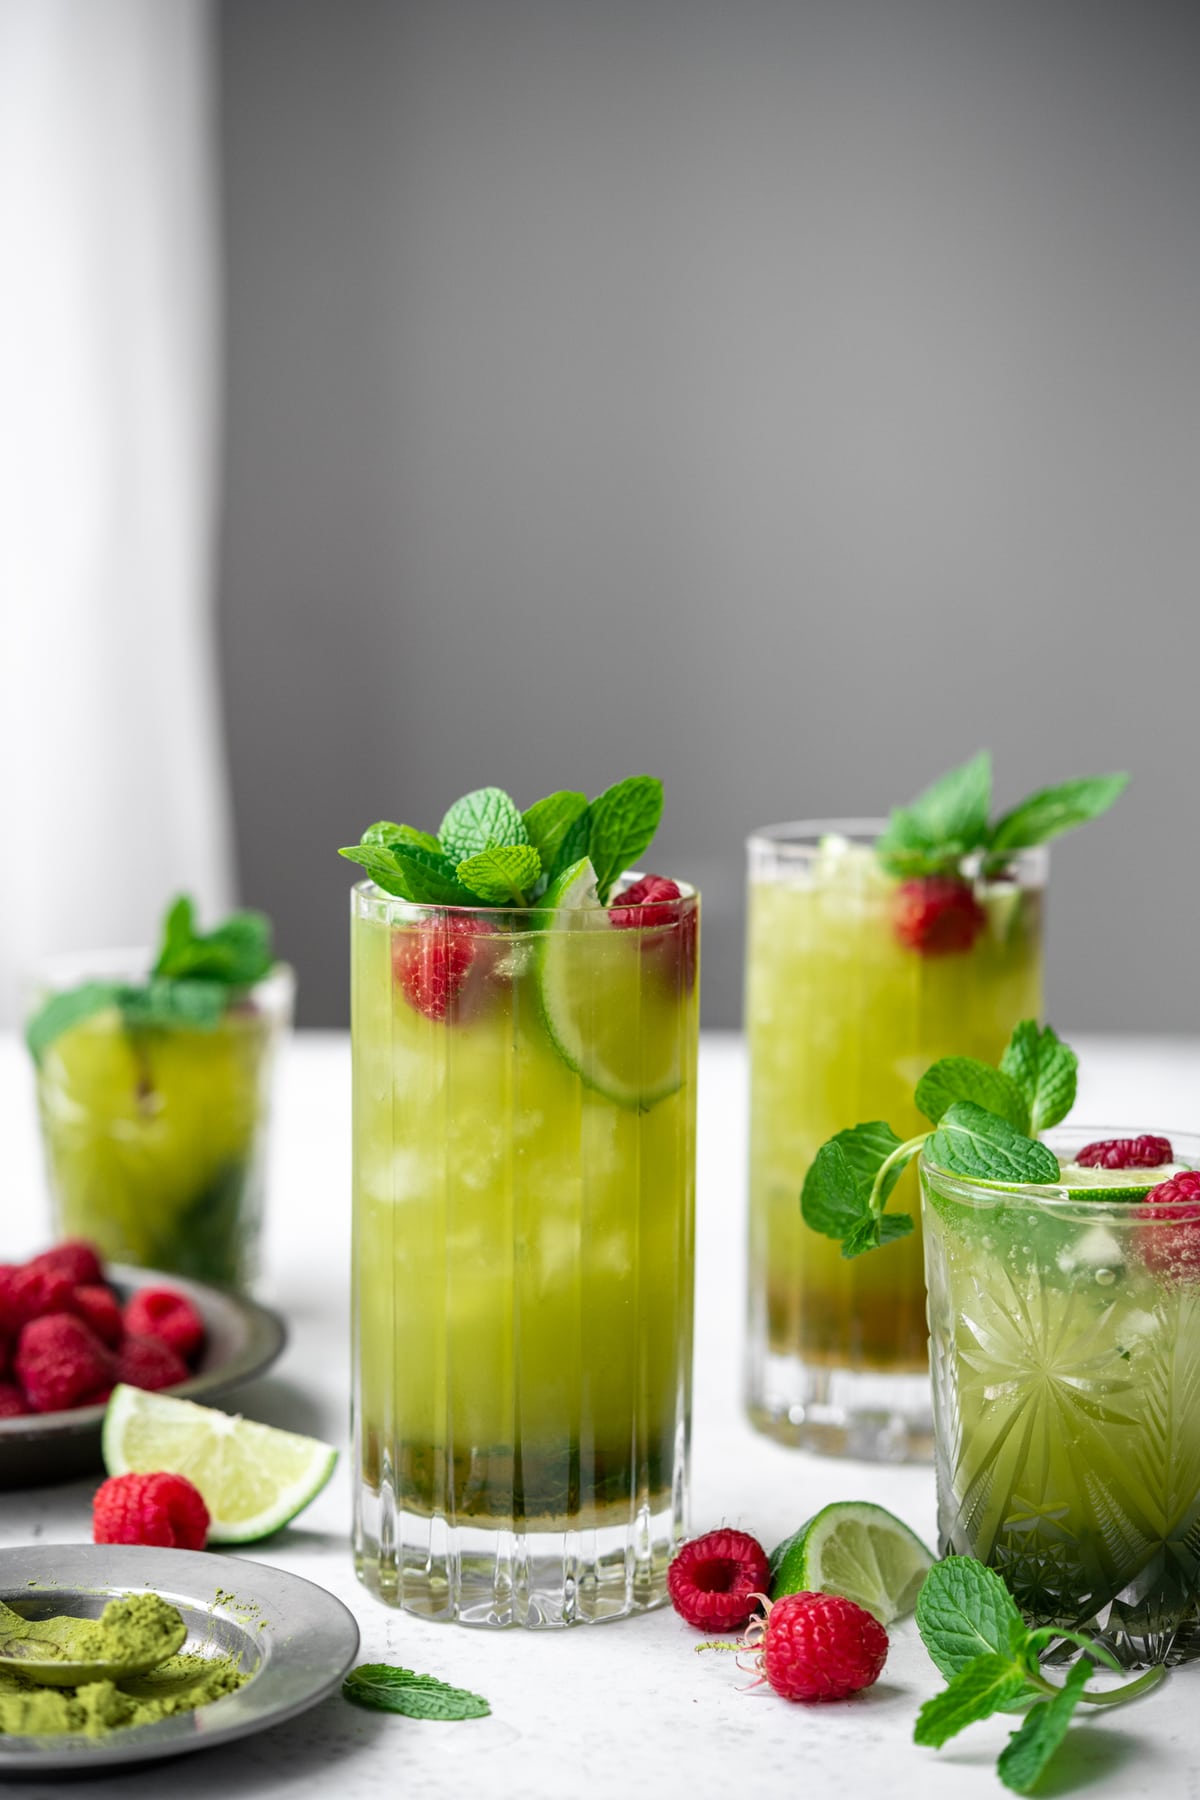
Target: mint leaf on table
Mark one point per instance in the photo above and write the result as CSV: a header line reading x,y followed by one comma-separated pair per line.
x,y
987,1684
964,1611
963,1078
62,1012
1048,814
621,822
943,824
1046,1071
969,1141
548,821
425,877
383,1688
385,832
1034,1742
502,876
481,820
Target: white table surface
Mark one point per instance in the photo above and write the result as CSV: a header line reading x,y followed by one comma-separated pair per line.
x,y
614,1709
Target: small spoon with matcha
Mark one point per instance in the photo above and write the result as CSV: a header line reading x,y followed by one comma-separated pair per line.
x,y
131,1637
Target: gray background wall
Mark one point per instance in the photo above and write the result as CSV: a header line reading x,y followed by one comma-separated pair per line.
x,y
786,399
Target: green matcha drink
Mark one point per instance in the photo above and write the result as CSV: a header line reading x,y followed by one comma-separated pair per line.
x,y
873,950
1066,1363
524,1111
153,1091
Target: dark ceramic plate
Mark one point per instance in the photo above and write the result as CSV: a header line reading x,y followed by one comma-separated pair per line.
x,y
241,1339
294,1640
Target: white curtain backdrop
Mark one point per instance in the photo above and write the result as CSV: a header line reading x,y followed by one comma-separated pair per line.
x,y
112,785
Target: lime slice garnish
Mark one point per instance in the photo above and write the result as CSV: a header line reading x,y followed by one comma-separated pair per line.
x,y
1118,1184
601,1013
252,1478
858,1550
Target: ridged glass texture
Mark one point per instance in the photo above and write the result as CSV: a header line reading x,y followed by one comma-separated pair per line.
x,y
155,1140
1065,1341
842,1019
523,1255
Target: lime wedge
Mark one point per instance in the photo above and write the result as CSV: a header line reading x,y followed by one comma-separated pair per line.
x,y
253,1478
858,1550
605,1019
1118,1184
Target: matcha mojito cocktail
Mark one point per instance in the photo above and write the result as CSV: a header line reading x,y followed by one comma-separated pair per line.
x,y
524,1029
153,1088
873,950
1066,1364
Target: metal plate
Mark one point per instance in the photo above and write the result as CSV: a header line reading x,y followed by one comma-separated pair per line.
x,y
241,1339
298,1640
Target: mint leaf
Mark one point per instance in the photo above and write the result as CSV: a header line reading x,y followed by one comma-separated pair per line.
x,y
166,1004
1048,814
574,846
548,821
963,1078
1046,1071
942,824
62,1012
874,1230
1034,1742
385,832
836,1195
621,822
501,876
481,820
425,878
985,1685
383,1688
975,1143
237,952
964,1611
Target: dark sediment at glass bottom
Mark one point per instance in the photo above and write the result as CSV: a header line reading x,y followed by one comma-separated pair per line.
x,y
525,1485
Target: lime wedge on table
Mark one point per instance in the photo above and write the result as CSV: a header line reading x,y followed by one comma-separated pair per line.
x,y
856,1549
1118,1184
597,1005
253,1478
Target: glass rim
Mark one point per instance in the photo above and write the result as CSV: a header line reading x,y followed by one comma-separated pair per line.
x,y
1078,1203
67,969
798,842
367,895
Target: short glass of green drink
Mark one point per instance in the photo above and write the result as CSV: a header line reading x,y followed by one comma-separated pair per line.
x,y
1065,1346
524,1126
153,1087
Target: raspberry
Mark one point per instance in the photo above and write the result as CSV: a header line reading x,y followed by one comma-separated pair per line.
x,y
715,1581
647,904
937,915
431,962
162,1313
75,1258
165,1510
30,1292
13,1404
99,1307
60,1362
1126,1153
1173,1249
146,1362
817,1646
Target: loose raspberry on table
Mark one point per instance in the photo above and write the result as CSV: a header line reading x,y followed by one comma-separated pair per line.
x,y
99,1307
937,915
75,1258
29,1292
715,1581
1127,1153
1172,1249
13,1404
60,1363
160,1509
146,1362
162,1313
431,962
817,1646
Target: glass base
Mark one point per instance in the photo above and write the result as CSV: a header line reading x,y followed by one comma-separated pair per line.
x,y
862,1413
503,1575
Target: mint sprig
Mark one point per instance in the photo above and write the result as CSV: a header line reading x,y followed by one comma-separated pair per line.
x,y
193,978
970,1625
384,1688
950,820
980,1121
489,853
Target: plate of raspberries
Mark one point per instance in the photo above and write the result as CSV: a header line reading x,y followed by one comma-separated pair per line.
x,y
71,1329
